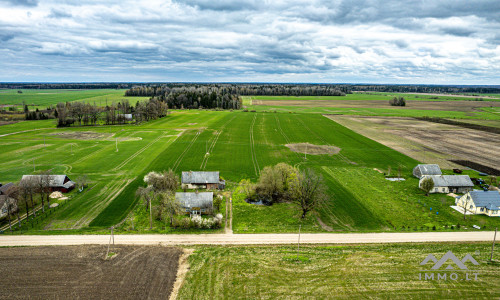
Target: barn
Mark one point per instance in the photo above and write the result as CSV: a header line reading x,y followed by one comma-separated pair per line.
x,y
196,203
449,183
481,202
60,183
427,169
202,180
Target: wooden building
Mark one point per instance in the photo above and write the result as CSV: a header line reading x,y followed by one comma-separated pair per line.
x,y
202,180
60,183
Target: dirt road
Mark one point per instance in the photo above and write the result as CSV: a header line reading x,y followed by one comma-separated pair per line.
x,y
250,239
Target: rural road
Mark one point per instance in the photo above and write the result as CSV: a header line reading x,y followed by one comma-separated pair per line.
x,y
250,239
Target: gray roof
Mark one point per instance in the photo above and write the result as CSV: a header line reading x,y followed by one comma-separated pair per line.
x,y
429,169
451,180
488,199
55,180
5,187
190,200
200,177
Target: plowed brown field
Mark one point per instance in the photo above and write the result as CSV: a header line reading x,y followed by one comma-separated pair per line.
x,y
81,272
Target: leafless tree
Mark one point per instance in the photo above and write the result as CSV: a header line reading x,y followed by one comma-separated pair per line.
x,y
28,187
307,190
12,206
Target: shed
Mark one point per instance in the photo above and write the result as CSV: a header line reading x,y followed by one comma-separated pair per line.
x,y
449,183
196,203
481,202
202,180
427,169
60,183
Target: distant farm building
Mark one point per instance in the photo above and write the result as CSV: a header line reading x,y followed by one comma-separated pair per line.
x,y
449,183
202,180
481,202
430,169
5,187
60,183
196,203
125,117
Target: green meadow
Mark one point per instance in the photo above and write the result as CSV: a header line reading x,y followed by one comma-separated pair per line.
x,y
385,271
238,144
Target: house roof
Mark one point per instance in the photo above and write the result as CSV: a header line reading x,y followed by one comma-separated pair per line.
x,y
200,177
190,200
429,169
55,180
488,199
5,187
451,180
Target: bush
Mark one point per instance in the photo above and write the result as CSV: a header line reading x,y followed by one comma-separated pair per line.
x,y
245,110
397,101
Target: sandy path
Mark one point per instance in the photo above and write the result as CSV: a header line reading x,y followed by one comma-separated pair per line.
x,y
250,239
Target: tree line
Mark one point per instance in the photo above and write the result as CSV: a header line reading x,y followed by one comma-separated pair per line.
x,y
438,89
241,89
190,96
81,113
25,193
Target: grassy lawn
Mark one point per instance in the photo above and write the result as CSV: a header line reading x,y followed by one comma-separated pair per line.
x,y
389,271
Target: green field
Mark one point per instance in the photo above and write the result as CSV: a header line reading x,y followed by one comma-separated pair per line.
x,y
390,271
45,98
239,144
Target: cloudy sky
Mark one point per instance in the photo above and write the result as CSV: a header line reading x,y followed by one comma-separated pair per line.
x,y
376,41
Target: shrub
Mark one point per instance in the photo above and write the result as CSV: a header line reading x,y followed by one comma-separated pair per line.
x,y
397,101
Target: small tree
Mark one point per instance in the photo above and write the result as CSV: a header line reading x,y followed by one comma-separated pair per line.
x,y
427,185
169,206
9,194
82,181
248,188
397,101
217,202
307,191
146,194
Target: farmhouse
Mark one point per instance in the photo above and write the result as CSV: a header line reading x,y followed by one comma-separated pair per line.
x,y
421,170
481,202
4,201
202,180
5,187
196,203
60,183
449,183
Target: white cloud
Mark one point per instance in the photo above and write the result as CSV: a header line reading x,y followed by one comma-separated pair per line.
x,y
198,40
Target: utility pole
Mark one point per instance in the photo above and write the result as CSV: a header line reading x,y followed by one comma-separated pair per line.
x,y
298,244
116,144
493,246
34,165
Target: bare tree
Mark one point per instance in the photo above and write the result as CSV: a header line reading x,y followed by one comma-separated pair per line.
x,y
28,187
307,190
82,181
12,206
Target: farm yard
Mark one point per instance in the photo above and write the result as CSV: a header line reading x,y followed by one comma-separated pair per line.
x,y
239,145
128,272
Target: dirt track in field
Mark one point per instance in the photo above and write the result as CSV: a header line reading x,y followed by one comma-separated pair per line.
x,y
464,106
428,142
80,272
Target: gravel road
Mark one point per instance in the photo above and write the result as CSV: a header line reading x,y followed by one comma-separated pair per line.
x,y
250,239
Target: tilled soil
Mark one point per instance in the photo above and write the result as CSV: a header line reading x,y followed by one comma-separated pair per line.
x,y
464,106
81,272
428,142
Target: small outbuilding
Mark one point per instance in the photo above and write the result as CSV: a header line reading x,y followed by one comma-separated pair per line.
x,y
60,183
427,169
202,180
449,183
481,202
196,203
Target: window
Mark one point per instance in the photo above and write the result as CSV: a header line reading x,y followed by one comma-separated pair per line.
x,y
482,208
